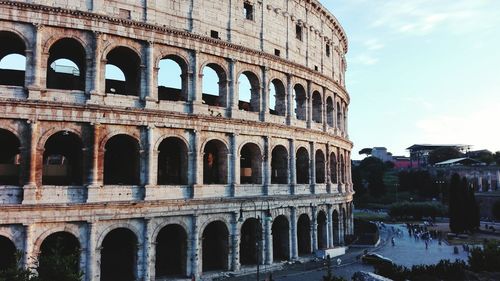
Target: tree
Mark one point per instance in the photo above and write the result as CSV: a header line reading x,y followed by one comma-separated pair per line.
x,y
454,207
496,210
367,151
15,272
484,156
497,157
472,209
443,153
372,171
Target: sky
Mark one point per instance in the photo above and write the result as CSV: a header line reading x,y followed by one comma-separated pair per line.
x,y
422,71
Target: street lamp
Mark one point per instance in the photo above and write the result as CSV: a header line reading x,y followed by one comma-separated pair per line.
x,y
258,243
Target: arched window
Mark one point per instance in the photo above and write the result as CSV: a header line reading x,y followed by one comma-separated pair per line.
x,y
214,85
321,233
304,235
66,65
9,158
215,246
250,164
330,112
335,227
249,92
279,165
281,238
249,237
333,168
320,166
59,256
277,98
317,114
172,162
172,82
121,161
119,255
7,254
128,62
215,163
62,160
171,251
300,102
302,166
12,59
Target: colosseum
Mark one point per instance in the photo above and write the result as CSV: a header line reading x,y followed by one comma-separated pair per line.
x,y
189,178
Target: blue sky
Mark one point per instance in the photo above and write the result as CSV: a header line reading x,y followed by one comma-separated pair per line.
x,y
422,71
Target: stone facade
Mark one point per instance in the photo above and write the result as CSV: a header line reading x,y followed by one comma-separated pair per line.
x,y
187,181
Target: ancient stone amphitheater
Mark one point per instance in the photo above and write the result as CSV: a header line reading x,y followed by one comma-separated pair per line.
x,y
150,180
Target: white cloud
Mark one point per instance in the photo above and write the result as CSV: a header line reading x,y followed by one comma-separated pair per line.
x,y
365,59
373,44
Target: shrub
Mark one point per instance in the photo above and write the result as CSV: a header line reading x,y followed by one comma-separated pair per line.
x,y
416,210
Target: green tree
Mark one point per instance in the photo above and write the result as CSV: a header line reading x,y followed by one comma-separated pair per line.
x,y
486,258
15,272
443,154
496,157
372,171
455,205
484,156
472,209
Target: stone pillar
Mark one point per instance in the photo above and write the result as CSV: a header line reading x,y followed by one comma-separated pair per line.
x,y
152,157
194,88
324,115
293,234
498,180
151,91
234,162
93,270
30,256
341,226
94,169
289,99
266,174
329,227
34,64
328,174
312,166
490,189
98,71
195,160
141,263
480,183
232,96
292,170
268,241
235,246
314,229
195,249
264,104
149,251
33,175
309,103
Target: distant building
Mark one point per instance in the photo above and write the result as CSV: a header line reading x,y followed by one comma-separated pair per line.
x,y
419,153
382,154
401,162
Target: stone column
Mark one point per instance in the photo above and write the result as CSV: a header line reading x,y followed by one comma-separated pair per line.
x,y
309,103
94,170
264,104
30,256
98,70
328,174
329,227
33,175
232,97
268,241
312,166
480,183
341,226
34,64
195,249
93,270
289,99
149,251
235,247
498,180
293,229
152,156
266,165
151,91
234,163
314,229
292,170
490,189
141,263
324,115
194,88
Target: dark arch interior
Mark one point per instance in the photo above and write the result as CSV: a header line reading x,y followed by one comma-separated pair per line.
x,y
7,253
12,44
329,111
129,63
279,98
217,98
302,166
335,227
215,163
317,114
171,251
172,66
250,164
215,246
304,235
300,102
333,168
62,160
320,167
280,231
172,162
279,165
119,255
321,220
254,103
121,161
250,241
9,158
339,117
63,76
59,257
344,221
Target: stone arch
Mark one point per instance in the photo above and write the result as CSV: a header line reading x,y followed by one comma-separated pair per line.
x,y
320,166
302,166
10,154
171,251
279,165
215,162
128,61
65,76
122,160
59,245
249,101
250,241
172,162
220,99
72,229
14,43
300,102
8,253
281,238
304,234
177,93
321,230
317,107
250,163
279,98
119,255
63,159
330,112
215,246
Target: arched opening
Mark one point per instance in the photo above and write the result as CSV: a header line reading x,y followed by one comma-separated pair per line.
x,y
9,158
119,255
121,161
344,222
342,169
215,246
172,162
215,163
317,107
7,253
321,234
214,85
335,227
172,82
281,238
279,165
59,257
171,251
66,65
320,166
302,166
304,235
249,92
333,168
339,117
12,59
250,164
277,98
250,241
300,102
128,62
62,160
330,112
